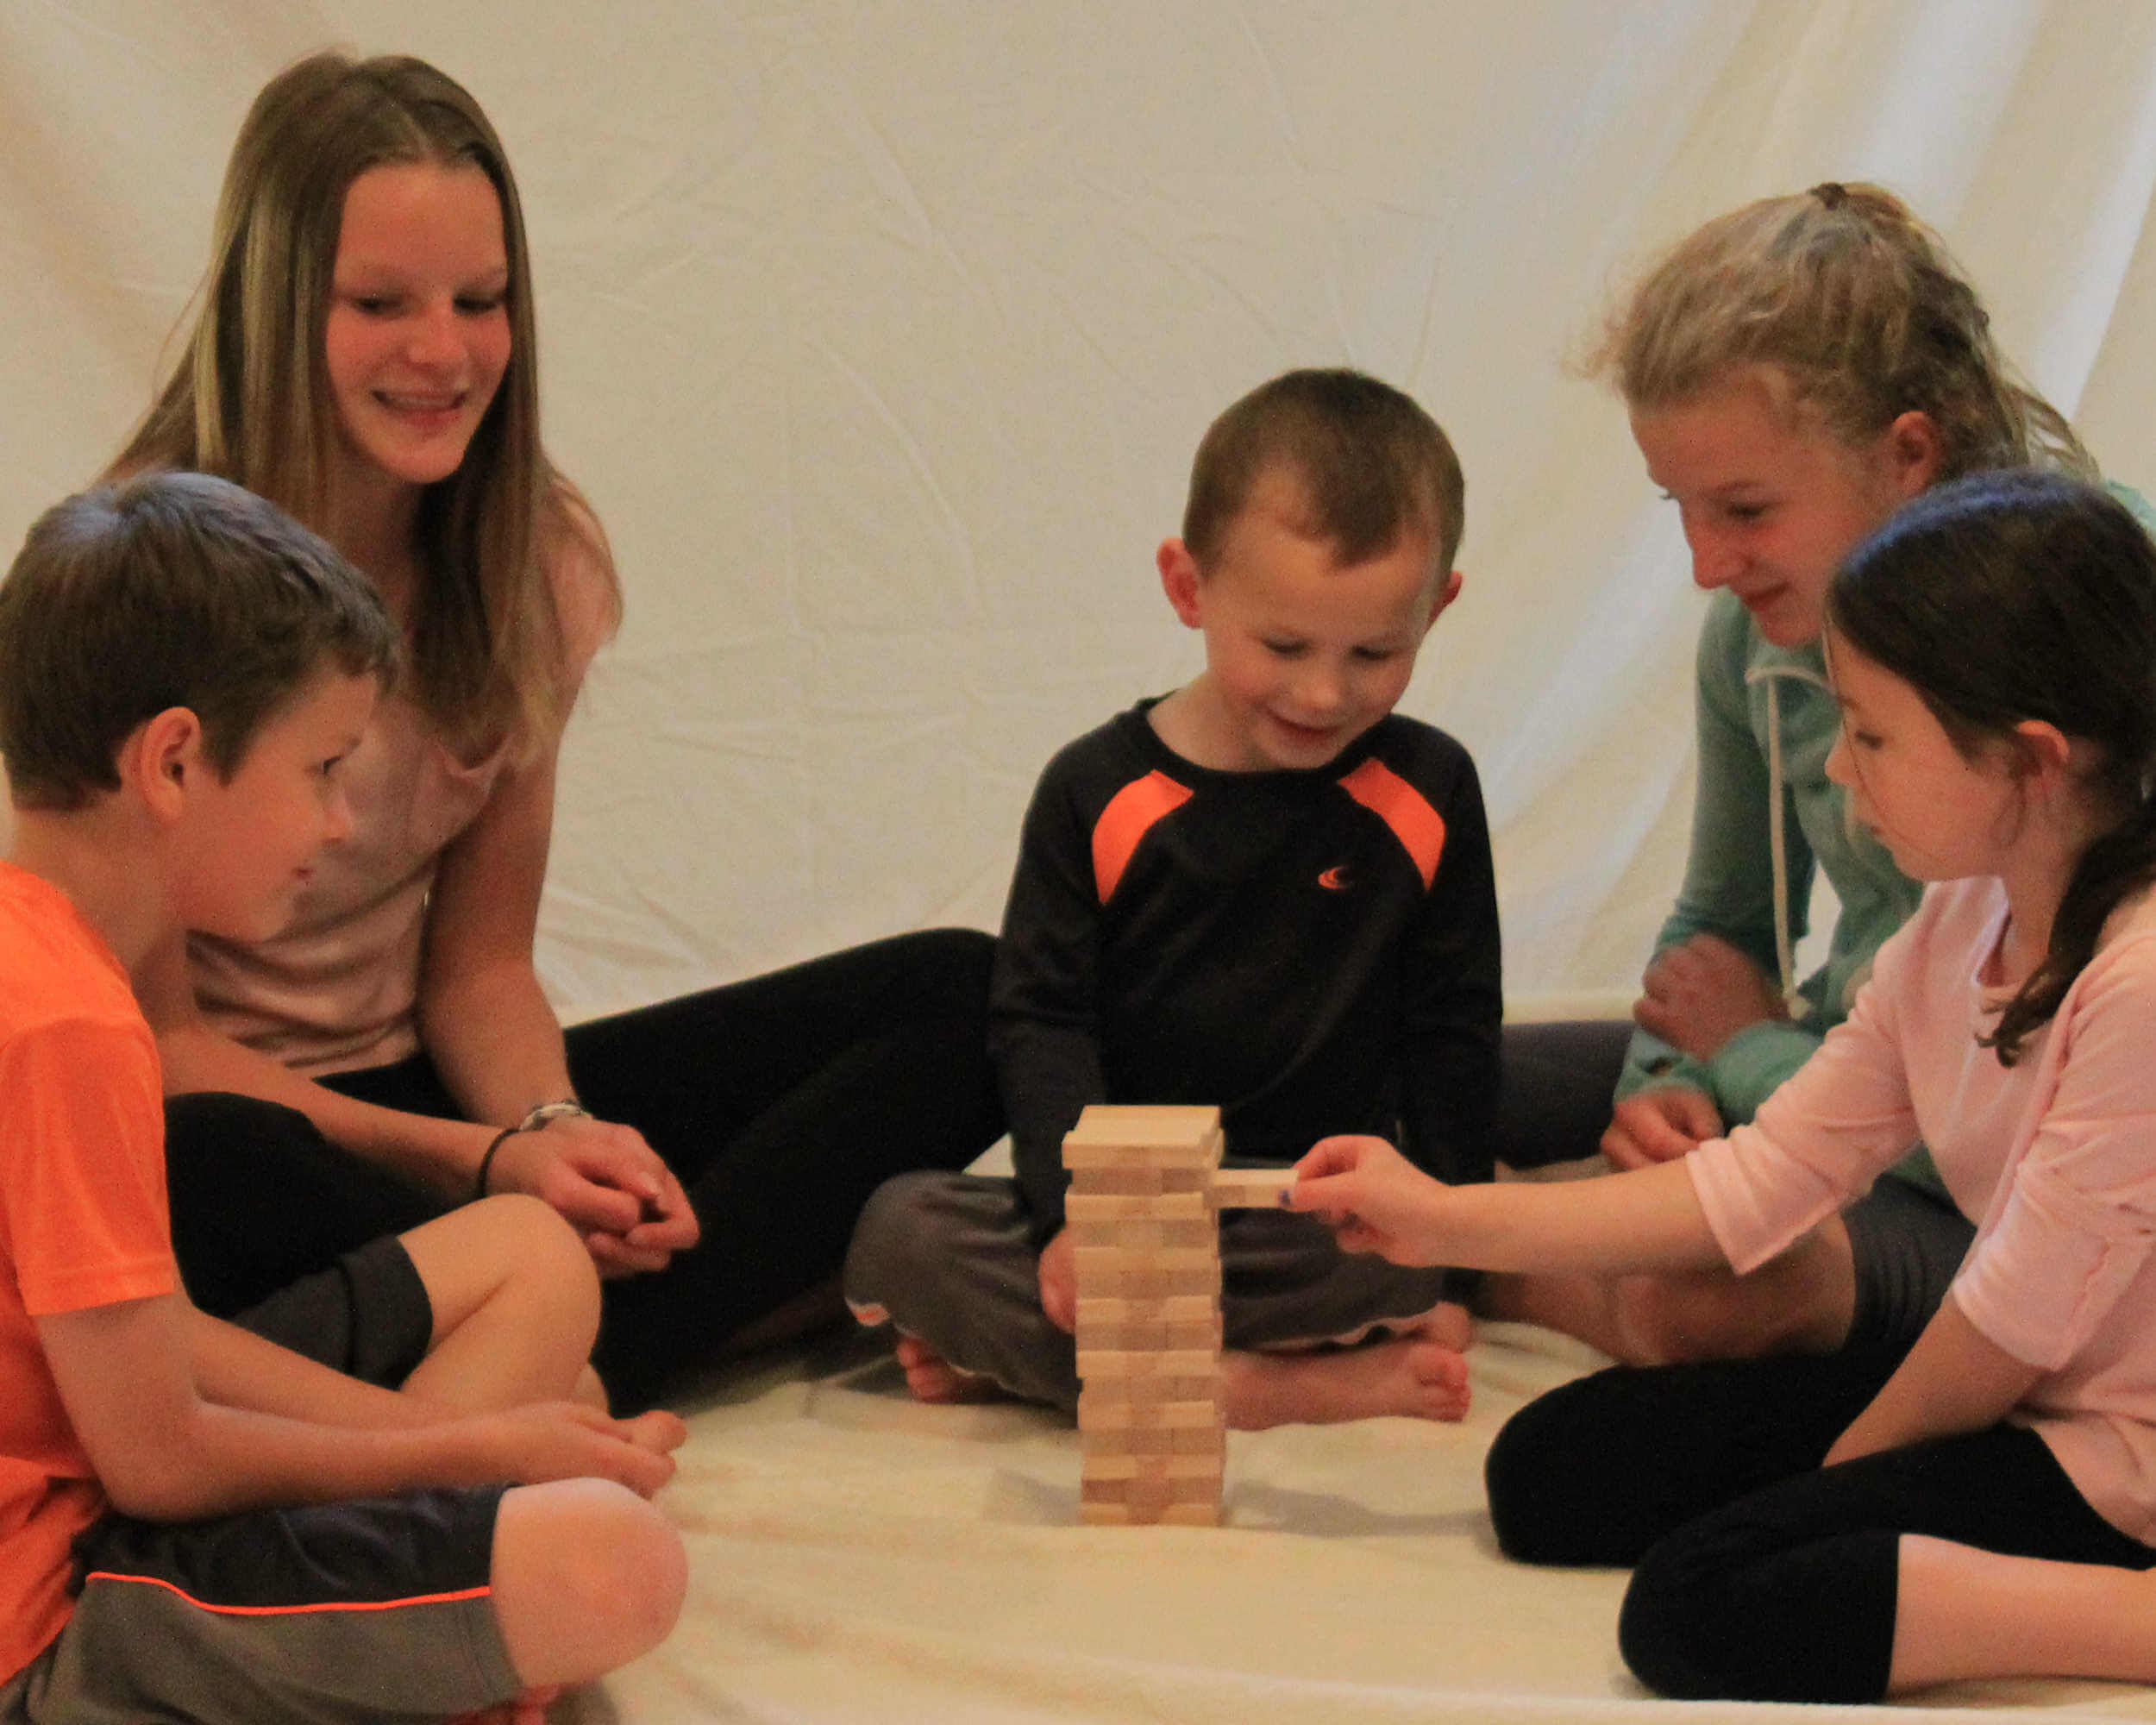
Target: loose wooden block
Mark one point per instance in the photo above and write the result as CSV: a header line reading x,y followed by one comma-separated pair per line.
x,y
1096,1261
1252,1189
1181,1308
1148,1182
1166,1207
1102,1363
1154,1440
1173,1130
1206,1388
1204,1333
1136,1284
1099,1411
1146,1236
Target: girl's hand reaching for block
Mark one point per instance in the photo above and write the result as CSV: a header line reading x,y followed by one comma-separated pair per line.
x,y
1372,1198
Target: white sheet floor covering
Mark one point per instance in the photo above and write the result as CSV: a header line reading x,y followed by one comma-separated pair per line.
x,y
856,1556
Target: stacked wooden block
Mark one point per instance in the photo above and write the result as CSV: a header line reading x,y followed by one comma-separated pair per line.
x,y
1144,1196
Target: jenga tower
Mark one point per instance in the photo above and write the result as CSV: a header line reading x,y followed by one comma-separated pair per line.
x,y
1148,1258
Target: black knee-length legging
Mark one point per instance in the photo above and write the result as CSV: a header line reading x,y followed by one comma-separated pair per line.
x,y
780,1103
1760,1575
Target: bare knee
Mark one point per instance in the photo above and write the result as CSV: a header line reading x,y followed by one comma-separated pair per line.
x,y
588,1577
551,1260
1679,1320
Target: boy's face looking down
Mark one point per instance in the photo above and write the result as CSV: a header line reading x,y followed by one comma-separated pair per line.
x,y
243,847
1302,655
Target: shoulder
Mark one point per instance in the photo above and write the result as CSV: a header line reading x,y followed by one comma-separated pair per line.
x,y
1109,756
579,565
1435,762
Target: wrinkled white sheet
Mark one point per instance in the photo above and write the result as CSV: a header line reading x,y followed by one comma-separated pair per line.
x,y
857,1557
882,335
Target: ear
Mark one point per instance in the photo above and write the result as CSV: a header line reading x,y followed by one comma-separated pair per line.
x,y
1913,451
162,761
1181,581
1448,590
2044,751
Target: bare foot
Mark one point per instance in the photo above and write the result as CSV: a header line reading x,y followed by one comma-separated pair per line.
x,y
933,1378
657,1430
1412,1375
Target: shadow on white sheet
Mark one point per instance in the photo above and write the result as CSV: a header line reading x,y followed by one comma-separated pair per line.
x,y
855,1556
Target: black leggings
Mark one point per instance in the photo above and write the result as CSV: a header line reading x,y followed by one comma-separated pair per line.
x,y
1760,1575
780,1103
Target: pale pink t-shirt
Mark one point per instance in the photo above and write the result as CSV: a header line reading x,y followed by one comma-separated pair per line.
x,y
2054,1159
338,990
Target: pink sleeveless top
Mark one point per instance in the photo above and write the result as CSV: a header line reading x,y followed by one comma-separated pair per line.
x,y
338,988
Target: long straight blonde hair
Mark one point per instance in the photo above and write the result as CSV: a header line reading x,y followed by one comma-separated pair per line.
x,y
249,398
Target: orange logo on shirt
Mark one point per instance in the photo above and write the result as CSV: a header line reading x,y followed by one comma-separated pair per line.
x,y
1335,879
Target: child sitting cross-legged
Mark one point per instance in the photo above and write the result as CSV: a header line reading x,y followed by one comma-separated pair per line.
x,y
1979,1501
1266,890
196,1521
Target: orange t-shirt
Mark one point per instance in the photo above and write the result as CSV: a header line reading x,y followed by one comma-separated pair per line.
x,y
82,1221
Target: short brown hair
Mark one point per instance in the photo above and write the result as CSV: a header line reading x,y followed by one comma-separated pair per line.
x,y
1859,304
1371,464
169,590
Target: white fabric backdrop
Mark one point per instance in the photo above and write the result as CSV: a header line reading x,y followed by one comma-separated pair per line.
x,y
882,335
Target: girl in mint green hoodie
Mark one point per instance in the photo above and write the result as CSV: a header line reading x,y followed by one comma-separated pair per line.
x,y
1796,370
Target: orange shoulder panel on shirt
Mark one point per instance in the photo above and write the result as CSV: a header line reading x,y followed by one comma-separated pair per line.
x,y
1128,818
1419,828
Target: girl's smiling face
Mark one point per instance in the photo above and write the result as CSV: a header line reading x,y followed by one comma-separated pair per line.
x,y
418,336
1771,501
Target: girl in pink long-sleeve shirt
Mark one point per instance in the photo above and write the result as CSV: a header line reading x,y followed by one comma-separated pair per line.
x,y
1842,1527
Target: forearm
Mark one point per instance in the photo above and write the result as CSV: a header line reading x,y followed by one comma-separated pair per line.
x,y
1376,1201
1646,1219
1955,1379
495,1039
234,1368
441,1155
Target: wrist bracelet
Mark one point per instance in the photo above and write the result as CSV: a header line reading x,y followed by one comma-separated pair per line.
x,y
486,1162
567,1108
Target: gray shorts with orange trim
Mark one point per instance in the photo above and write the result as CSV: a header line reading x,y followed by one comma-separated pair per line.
x,y
334,1613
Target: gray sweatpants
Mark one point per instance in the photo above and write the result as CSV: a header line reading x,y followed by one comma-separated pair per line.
x,y
949,1258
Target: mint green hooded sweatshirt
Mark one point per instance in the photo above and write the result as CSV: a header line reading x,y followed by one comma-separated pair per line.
x,y
1763,817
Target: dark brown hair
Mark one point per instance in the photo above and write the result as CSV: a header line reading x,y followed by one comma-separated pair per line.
x,y
1370,464
2021,595
169,590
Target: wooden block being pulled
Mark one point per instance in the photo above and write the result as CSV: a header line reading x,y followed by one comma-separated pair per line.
x,y
1252,1189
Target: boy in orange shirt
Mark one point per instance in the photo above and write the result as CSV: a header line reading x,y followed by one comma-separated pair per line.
x,y
182,669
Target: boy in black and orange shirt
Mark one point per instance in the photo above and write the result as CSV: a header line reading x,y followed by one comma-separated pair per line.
x,y
1265,890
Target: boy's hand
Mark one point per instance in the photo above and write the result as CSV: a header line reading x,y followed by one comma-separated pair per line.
x,y
1059,1281
568,1440
1660,1125
1372,1198
610,1186
1701,992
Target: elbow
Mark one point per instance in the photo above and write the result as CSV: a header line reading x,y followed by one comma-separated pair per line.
x,y
162,1479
